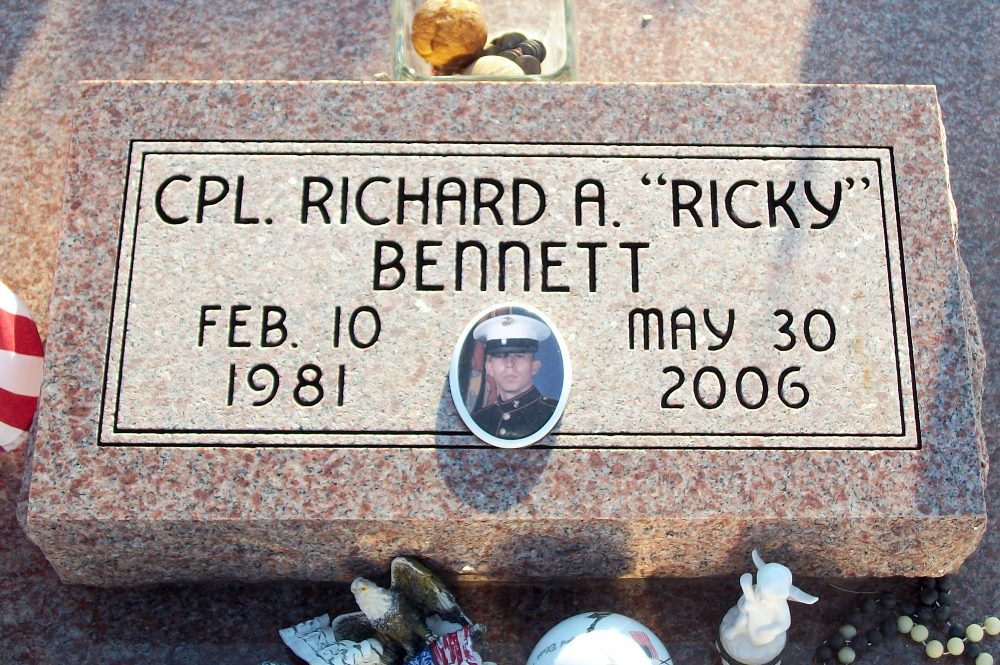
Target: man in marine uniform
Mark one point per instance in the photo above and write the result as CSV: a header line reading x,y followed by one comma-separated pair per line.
x,y
511,341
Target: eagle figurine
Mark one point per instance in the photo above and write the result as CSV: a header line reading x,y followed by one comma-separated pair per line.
x,y
415,600
357,628
392,616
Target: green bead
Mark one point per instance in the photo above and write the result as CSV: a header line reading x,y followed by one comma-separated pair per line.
x,y
904,624
992,626
984,659
956,647
848,631
919,633
846,656
934,649
974,632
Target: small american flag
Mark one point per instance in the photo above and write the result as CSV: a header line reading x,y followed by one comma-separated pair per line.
x,y
20,369
455,649
642,639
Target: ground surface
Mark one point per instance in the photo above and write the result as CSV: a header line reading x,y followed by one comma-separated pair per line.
x,y
46,46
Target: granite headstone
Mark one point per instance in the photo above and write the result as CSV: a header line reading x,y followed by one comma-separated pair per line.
x,y
261,285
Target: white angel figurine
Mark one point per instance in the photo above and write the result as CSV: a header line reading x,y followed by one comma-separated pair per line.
x,y
753,632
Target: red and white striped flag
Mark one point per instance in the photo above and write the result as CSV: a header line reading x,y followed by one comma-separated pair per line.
x,y
20,369
455,649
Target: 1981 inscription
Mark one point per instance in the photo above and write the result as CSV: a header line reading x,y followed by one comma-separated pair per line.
x,y
273,294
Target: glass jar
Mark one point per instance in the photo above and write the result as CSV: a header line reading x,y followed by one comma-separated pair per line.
x,y
549,21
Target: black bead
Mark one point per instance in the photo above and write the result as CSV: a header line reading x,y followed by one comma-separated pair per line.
x,y
927,582
824,653
510,54
928,596
535,48
545,52
908,608
972,650
869,605
836,641
855,618
509,40
874,637
888,629
944,583
529,64
942,613
944,598
925,614
956,630
888,600
860,647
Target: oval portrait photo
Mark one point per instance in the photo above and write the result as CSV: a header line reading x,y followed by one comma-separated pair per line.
x,y
510,376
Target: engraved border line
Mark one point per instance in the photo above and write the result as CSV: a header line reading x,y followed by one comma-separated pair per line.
x,y
114,296
877,161
906,298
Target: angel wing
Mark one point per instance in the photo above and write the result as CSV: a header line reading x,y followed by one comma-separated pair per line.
x,y
423,588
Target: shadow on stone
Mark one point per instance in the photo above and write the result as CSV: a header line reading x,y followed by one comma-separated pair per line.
x,y
581,548
487,479
491,480
21,19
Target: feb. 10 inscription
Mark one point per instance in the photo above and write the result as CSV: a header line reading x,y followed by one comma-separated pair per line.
x,y
273,293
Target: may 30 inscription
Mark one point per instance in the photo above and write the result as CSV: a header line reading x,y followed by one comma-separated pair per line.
x,y
274,293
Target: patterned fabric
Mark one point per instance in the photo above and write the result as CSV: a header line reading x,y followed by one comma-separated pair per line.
x,y
315,642
20,369
422,658
455,649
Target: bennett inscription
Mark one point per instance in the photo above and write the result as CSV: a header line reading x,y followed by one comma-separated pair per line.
x,y
279,293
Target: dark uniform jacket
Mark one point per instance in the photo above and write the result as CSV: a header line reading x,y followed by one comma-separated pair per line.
x,y
516,418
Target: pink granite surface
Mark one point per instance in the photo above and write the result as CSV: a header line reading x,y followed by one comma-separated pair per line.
x,y
128,515
47,46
